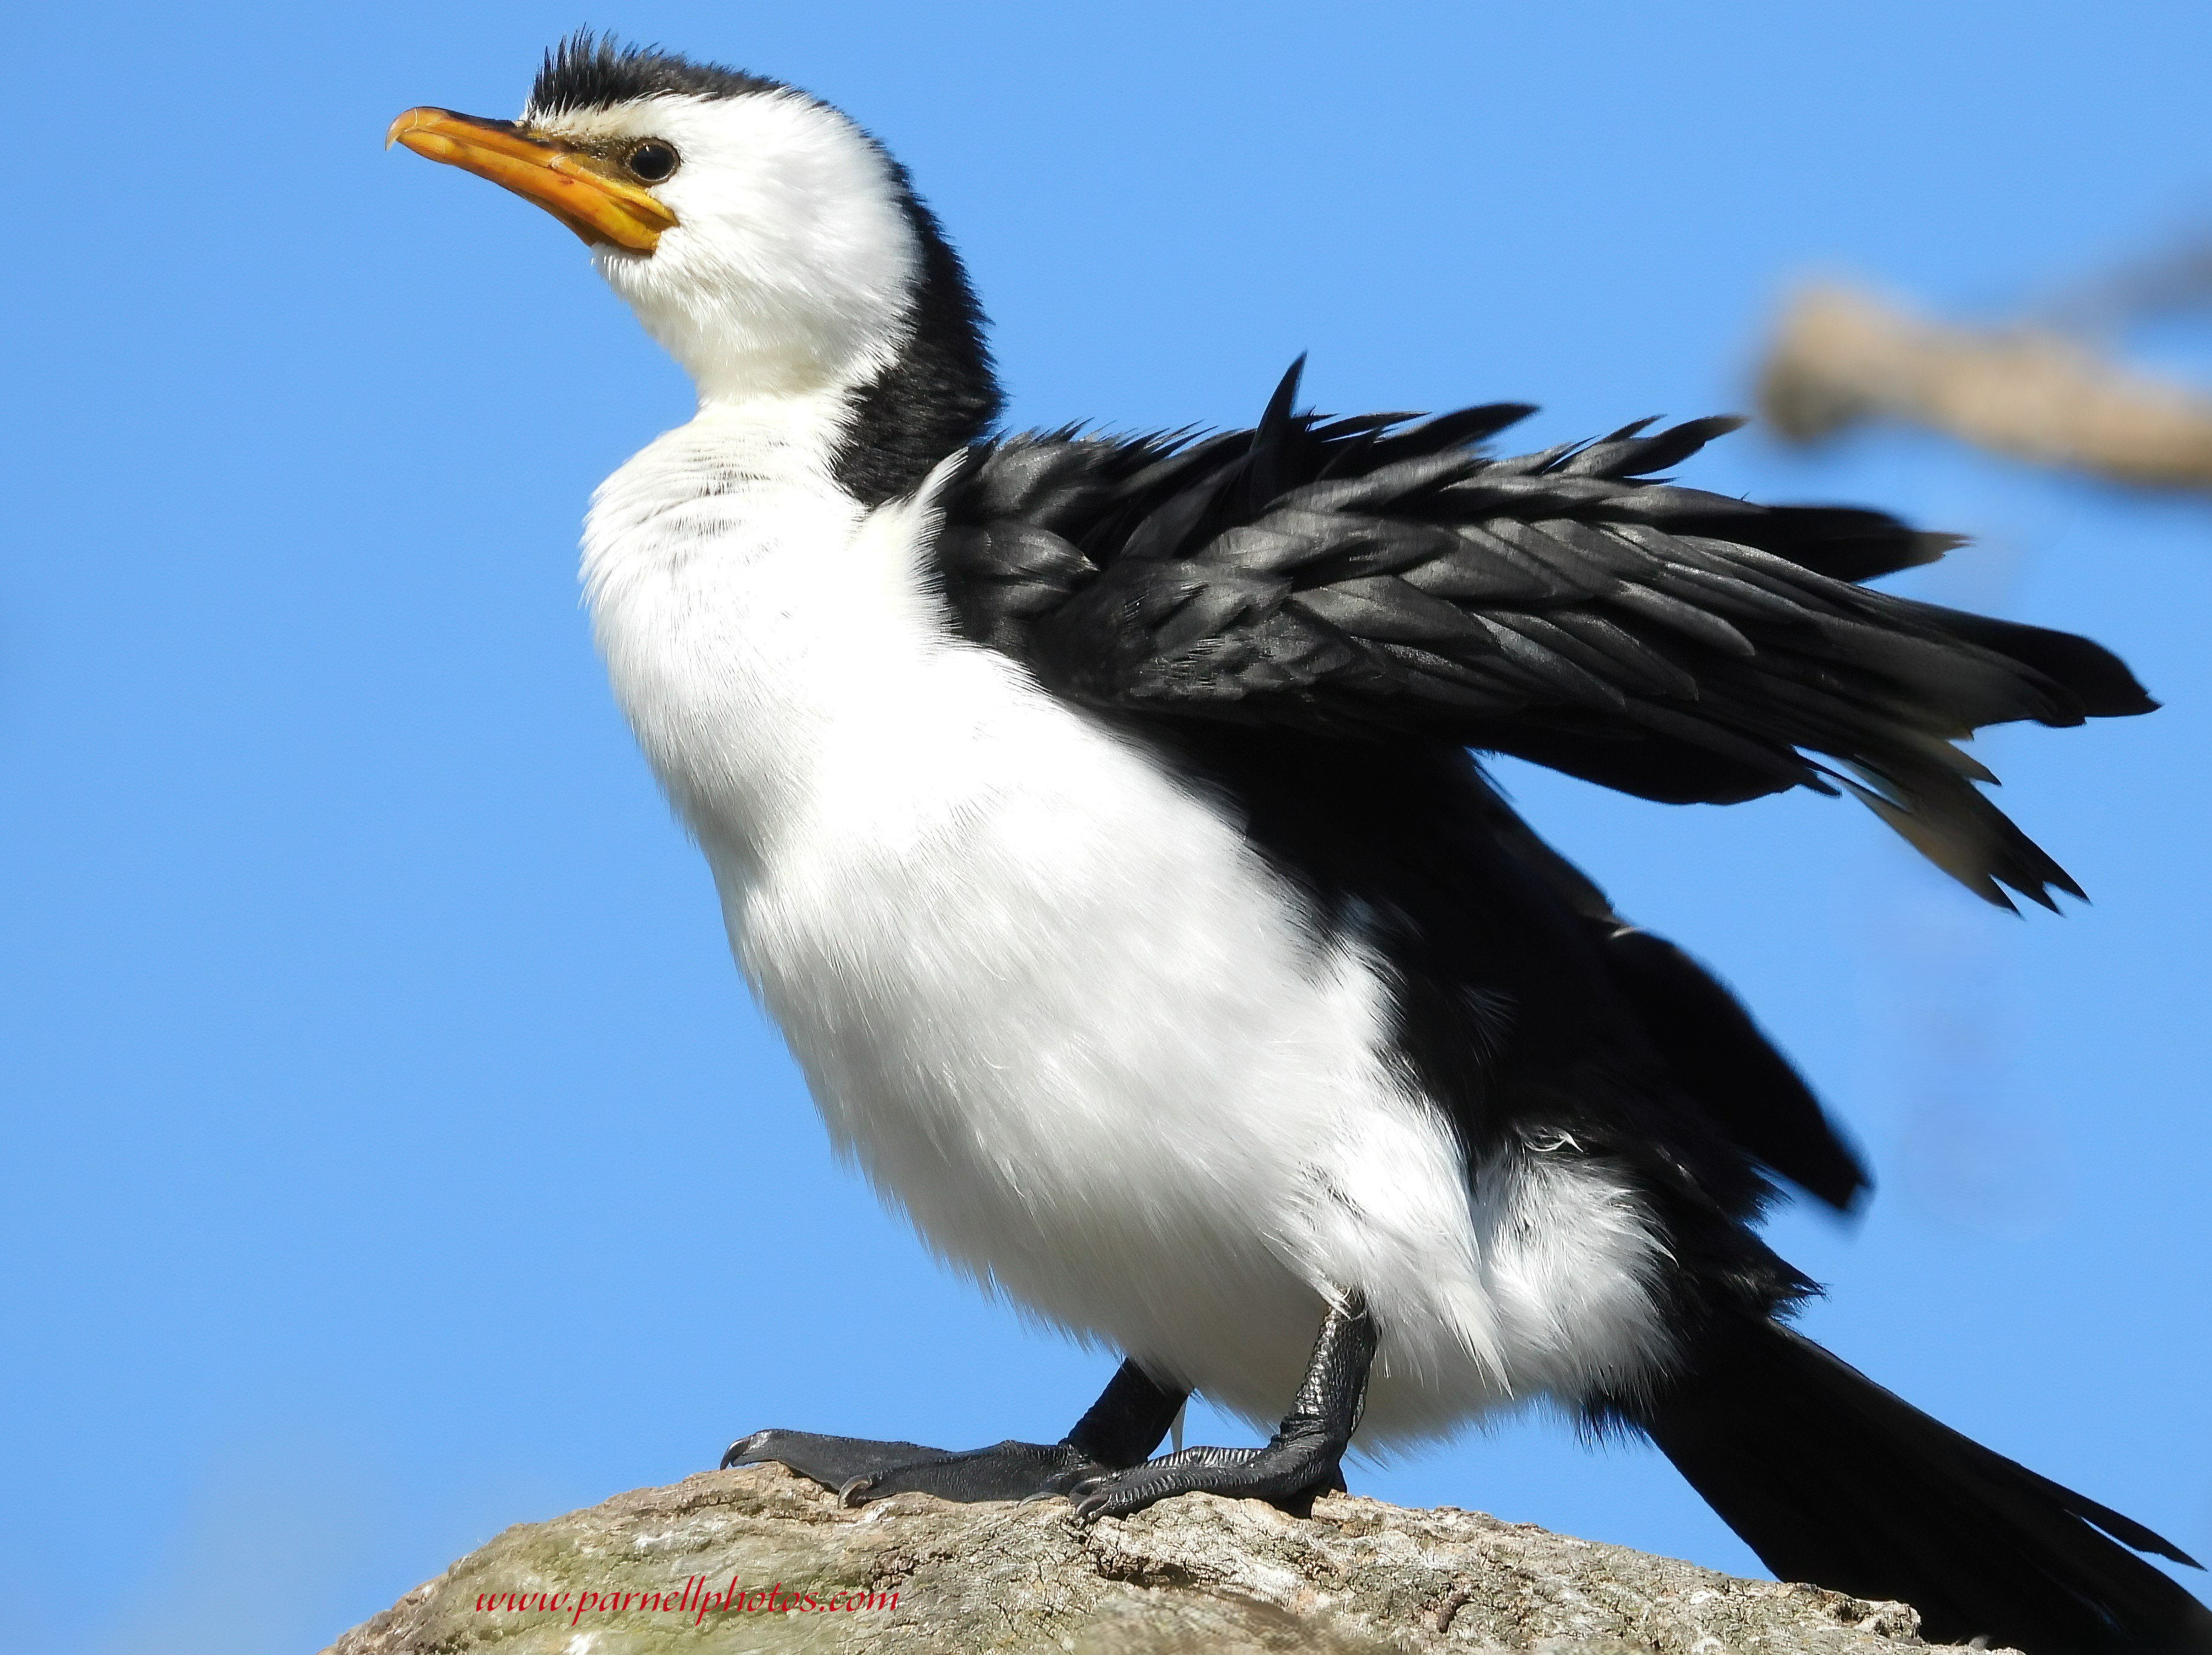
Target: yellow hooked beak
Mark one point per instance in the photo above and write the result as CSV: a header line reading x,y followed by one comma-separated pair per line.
x,y
585,193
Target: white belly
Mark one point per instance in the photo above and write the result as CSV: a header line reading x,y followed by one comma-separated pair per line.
x,y
1059,1013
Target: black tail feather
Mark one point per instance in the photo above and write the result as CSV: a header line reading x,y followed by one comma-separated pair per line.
x,y
1833,1480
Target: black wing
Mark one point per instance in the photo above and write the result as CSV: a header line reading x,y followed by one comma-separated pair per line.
x,y
1369,575
1709,1043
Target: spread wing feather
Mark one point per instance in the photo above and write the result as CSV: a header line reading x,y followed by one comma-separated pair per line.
x,y
1383,578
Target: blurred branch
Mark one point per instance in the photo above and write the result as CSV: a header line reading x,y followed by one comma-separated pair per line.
x,y
1842,358
2174,281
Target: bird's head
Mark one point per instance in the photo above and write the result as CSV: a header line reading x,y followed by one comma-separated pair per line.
x,y
767,241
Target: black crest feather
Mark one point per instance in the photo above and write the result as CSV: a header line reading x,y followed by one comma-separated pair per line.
x,y
588,71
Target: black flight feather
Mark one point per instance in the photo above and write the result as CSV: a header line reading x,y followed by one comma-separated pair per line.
x,y
1376,578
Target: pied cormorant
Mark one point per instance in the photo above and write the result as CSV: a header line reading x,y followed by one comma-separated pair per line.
x,y
1098,818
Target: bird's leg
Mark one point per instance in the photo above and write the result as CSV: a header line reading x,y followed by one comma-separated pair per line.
x,y
1302,1459
1123,1426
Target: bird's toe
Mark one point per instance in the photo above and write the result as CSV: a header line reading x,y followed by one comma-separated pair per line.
x,y
858,1470
836,1462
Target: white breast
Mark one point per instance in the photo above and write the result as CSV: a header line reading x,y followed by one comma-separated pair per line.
x,y
1048,997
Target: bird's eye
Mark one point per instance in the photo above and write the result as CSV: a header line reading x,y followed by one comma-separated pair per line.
x,y
652,161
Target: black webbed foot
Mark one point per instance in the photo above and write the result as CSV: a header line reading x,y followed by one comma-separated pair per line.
x,y
1286,1471
1122,1427
860,1470
1304,1457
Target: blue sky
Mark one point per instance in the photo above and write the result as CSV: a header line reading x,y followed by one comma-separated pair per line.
x,y
396,1156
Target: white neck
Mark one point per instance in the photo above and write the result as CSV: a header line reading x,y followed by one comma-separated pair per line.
x,y
738,359
697,490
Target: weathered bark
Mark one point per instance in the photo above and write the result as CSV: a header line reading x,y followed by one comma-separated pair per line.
x,y
1841,358
1195,1574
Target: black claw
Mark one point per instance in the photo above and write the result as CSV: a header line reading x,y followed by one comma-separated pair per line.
x,y
741,1451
